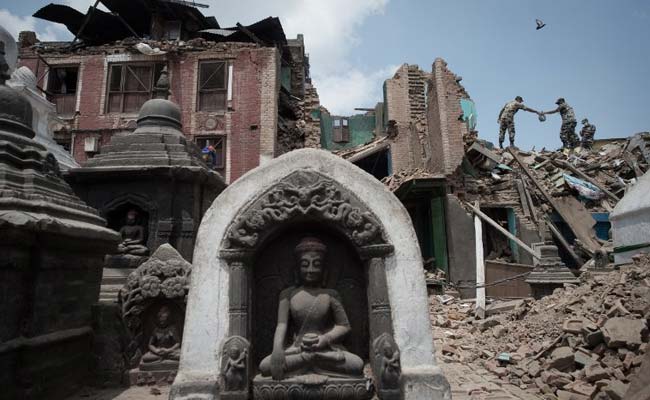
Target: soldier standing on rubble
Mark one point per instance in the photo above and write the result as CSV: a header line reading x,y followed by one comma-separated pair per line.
x,y
568,128
587,134
506,119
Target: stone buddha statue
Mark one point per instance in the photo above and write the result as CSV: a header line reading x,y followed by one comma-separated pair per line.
x,y
316,320
132,237
164,343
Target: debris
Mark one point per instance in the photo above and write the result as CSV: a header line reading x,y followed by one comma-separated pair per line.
x,y
561,359
565,344
619,332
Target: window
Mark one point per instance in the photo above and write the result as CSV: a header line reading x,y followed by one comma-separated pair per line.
x,y
62,89
341,130
213,86
216,157
130,86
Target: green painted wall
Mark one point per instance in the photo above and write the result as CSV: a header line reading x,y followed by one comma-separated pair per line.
x,y
361,127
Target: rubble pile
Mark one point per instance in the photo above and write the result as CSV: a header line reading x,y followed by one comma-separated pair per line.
x,y
597,177
584,341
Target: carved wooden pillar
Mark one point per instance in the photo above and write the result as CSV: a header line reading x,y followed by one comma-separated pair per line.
x,y
238,291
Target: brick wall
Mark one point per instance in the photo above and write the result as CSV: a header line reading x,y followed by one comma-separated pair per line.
x,y
397,105
406,104
249,124
446,131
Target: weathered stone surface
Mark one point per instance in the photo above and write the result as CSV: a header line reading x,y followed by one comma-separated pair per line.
x,y
485,324
620,332
208,322
584,358
595,373
565,395
561,359
158,286
51,251
616,390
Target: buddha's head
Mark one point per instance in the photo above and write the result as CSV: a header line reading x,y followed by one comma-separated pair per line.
x,y
310,253
131,217
163,317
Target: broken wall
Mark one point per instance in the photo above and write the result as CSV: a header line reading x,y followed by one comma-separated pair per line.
x,y
446,128
396,99
461,243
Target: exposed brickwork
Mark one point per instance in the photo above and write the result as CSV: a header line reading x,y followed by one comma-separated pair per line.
x,y
249,124
312,121
406,104
398,109
270,87
446,130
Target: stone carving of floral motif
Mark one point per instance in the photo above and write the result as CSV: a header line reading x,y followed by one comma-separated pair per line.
x,y
305,195
165,276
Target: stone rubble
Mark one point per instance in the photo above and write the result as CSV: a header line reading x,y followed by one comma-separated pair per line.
x,y
584,341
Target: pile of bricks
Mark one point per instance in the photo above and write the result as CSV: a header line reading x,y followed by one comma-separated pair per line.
x,y
584,341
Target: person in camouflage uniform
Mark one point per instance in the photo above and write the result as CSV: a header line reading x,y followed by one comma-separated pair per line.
x,y
568,128
587,134
506,119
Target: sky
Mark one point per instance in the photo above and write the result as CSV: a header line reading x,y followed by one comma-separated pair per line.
x,y
594,53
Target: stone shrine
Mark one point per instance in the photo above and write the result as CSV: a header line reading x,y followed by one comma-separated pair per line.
x,y
152,304
150,185
302,288
51,258
550,272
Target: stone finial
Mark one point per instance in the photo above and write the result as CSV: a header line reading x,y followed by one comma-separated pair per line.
x,y
4,67
15,109
162,85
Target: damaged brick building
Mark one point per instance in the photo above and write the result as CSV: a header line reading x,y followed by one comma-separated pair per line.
x,y
417,148
241,89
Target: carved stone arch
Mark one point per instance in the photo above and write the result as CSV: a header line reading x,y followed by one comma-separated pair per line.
x,y
298,187
305,196
143,202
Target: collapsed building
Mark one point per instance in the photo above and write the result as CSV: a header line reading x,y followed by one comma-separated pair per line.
x,y
242,90
422,142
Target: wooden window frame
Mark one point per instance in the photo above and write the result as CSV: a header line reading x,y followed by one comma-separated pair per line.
x,y
220,108
341,132
66,104
122,92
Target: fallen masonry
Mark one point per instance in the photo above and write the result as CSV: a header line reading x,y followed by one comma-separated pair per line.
x,y
569,344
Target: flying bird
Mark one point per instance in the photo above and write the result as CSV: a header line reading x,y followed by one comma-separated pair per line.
x,y
540,24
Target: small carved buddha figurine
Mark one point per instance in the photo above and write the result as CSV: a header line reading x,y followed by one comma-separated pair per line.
x,y
164,343
317,320
132,237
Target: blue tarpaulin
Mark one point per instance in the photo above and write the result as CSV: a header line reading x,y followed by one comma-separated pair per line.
x,y
584,188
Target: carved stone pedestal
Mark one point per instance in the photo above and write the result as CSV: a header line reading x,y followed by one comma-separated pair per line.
x,y
123,261
138,377
117,268
312,386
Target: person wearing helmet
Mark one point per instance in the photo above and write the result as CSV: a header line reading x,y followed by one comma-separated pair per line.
x,y
568,128
506,119
587,134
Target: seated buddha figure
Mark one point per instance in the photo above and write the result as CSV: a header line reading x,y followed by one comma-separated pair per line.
x,y
317,321
132,236
164,343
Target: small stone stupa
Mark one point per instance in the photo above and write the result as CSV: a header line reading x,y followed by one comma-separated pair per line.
x,y
51,259
152,186
550,272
